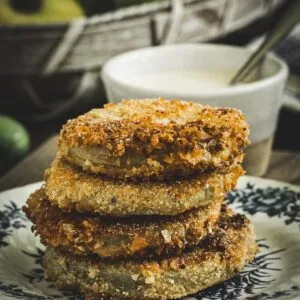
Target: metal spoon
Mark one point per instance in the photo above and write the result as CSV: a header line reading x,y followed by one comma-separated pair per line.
x,y
282,28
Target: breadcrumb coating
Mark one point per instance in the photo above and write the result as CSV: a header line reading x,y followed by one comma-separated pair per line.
x,y
72,189
154,139
86,234
219,257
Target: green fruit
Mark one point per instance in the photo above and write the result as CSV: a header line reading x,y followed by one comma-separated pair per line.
x,y
14,139
52,11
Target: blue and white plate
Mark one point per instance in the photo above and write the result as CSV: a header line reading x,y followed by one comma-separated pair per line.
x,y
273,207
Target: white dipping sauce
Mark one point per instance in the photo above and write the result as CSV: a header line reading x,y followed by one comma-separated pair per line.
x,y
185,80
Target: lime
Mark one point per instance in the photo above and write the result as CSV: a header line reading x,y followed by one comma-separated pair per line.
x,y
14,139
51,11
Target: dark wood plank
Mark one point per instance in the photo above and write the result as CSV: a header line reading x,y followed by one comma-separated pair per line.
x,y
284,166
32,168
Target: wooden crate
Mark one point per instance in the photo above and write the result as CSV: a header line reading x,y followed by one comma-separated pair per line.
x,y
87,43
82,46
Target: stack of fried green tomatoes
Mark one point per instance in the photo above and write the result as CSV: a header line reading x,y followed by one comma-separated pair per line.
x,y
133,205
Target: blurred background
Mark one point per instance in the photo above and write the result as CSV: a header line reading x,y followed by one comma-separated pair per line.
x,y
52,52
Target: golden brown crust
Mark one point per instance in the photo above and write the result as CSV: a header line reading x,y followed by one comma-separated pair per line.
x,y
69,188
220,256
154,139
86,234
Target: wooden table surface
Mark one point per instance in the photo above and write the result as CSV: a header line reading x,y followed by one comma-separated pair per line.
x,y
284,166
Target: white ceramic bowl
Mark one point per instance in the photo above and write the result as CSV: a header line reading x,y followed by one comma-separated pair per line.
x,y
260,101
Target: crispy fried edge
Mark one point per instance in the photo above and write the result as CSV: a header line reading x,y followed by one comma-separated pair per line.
x,y
217,135
221,256
70,188
85,234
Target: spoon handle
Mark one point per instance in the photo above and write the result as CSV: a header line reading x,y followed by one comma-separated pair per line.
x,y
281,29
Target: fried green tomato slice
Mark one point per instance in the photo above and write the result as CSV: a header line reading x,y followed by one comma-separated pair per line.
x,y
154,139
86,234
72,189
220,256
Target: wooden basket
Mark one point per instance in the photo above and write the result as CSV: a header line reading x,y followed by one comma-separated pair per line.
x,y
83,45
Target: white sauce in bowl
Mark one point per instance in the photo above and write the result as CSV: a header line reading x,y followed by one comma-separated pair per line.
x,y
184,80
